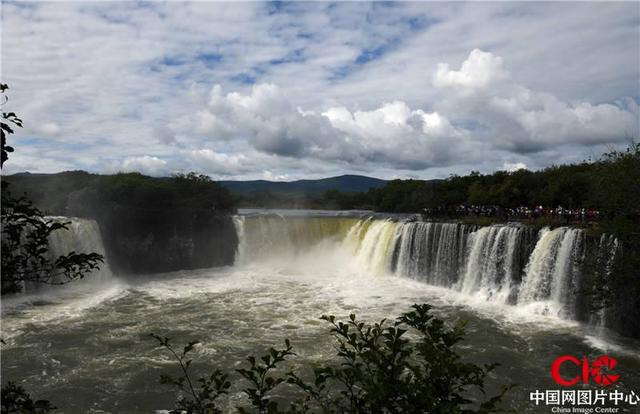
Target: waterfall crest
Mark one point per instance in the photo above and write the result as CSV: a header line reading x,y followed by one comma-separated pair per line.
x,y
273,236
371,242
508,264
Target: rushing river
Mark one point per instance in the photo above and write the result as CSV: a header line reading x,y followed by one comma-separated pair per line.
x,y
86,347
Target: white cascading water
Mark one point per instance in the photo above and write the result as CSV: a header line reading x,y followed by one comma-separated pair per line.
x,y
81,236
372,244
274,237
430,252
490,271
269,236
487,262
549,285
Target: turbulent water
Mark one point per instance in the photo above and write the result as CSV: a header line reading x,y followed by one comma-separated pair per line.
x,y
86,346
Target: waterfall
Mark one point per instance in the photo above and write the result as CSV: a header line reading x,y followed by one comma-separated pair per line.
x,y
550,283
490,269
81,236
371,243
506,264
264,237
430,252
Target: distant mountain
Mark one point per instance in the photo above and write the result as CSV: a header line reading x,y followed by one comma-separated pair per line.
x,y
343,183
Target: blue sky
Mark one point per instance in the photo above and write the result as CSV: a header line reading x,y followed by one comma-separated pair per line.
x,y
302,90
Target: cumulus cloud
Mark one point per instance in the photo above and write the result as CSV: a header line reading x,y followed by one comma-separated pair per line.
x,y
398,135
480,70
144,164
481,109
511,167
267,120
524,120
219,163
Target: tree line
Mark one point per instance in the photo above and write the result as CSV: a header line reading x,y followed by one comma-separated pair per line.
x,y
610,184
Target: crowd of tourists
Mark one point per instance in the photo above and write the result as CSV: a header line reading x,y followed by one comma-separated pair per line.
x,y
517,213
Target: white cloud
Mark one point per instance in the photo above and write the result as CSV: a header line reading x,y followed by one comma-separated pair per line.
x,y
480,70
218,163
511,167
498,114
382,89
48,129
270,176
267,121
523,120
145,164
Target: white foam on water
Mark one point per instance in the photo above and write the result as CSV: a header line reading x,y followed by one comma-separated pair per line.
x,y
610,347
59,305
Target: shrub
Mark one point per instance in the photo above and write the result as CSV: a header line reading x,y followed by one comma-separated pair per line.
x,y
378,369
15,399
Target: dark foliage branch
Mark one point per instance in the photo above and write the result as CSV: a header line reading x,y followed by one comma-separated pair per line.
x,y
15,399
261,383
25,248
8,119
196,396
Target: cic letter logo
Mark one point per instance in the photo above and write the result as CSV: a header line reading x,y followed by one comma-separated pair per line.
x,y
599,370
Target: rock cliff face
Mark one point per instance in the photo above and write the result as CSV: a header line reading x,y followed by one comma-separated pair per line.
x,y
611,275
148,224
149,241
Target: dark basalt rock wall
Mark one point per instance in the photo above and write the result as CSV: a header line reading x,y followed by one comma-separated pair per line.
x,y
152,241
607,294
148,225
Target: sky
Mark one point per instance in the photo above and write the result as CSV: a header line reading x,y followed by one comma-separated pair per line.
x,y
284,91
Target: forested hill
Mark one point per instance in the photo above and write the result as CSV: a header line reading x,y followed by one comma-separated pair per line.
x,y
51,191
343,183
